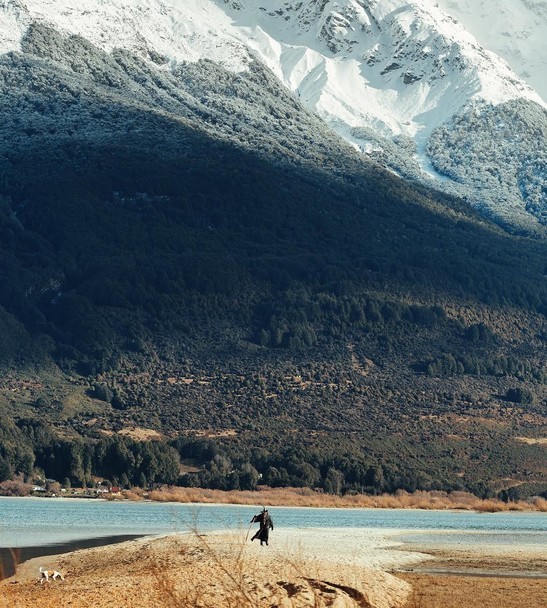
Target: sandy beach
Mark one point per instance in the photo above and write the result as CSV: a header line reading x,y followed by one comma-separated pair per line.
x,y
211,570
301,567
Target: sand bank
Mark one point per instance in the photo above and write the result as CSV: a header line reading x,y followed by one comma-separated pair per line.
x,y
339,568
485,560
368,547
217,570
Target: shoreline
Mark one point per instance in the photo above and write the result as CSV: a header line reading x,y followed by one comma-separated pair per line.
x,y
25,554
377,546
352,565
307,498
382,565
475,574
380,549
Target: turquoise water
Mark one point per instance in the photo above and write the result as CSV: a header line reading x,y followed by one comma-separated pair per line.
x,y
37,522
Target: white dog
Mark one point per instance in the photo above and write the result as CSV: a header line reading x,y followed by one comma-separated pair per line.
x,y
49,575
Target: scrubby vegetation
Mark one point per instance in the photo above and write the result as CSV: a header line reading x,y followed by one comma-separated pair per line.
x,y
197,264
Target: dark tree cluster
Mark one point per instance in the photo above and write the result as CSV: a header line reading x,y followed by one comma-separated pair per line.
x,y
485,365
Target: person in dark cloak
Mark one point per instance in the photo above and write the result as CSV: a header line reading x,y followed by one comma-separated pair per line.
x,y
265,525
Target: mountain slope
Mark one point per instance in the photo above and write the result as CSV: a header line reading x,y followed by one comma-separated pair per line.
x,y
513,29
371,70
193,252
401,71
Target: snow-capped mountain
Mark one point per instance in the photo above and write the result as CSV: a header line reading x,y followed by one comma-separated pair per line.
x,y
385,75
399,67
516,30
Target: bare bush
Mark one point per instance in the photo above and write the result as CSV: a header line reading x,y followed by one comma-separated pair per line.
x,y
15,487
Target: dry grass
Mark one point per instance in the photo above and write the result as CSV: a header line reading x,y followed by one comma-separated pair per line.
x,y
438,591
134,496
304,497
239,577
227,572
196,571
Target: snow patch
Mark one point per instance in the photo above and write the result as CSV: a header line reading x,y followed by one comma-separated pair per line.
x,y
176,29
397,68
513,29
406,67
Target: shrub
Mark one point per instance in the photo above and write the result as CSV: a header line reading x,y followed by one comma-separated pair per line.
x,y
521,395
15,487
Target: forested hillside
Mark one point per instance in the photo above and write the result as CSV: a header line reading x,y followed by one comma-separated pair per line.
x,y
218,271
505,158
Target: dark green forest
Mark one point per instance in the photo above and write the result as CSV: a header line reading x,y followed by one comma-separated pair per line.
x,y
32,449
224,271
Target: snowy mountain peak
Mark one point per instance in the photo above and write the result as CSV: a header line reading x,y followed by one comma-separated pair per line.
x,y
394,69
175,29
513,29
403,67
398,67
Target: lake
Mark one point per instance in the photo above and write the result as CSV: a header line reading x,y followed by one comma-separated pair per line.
x,y
41,522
